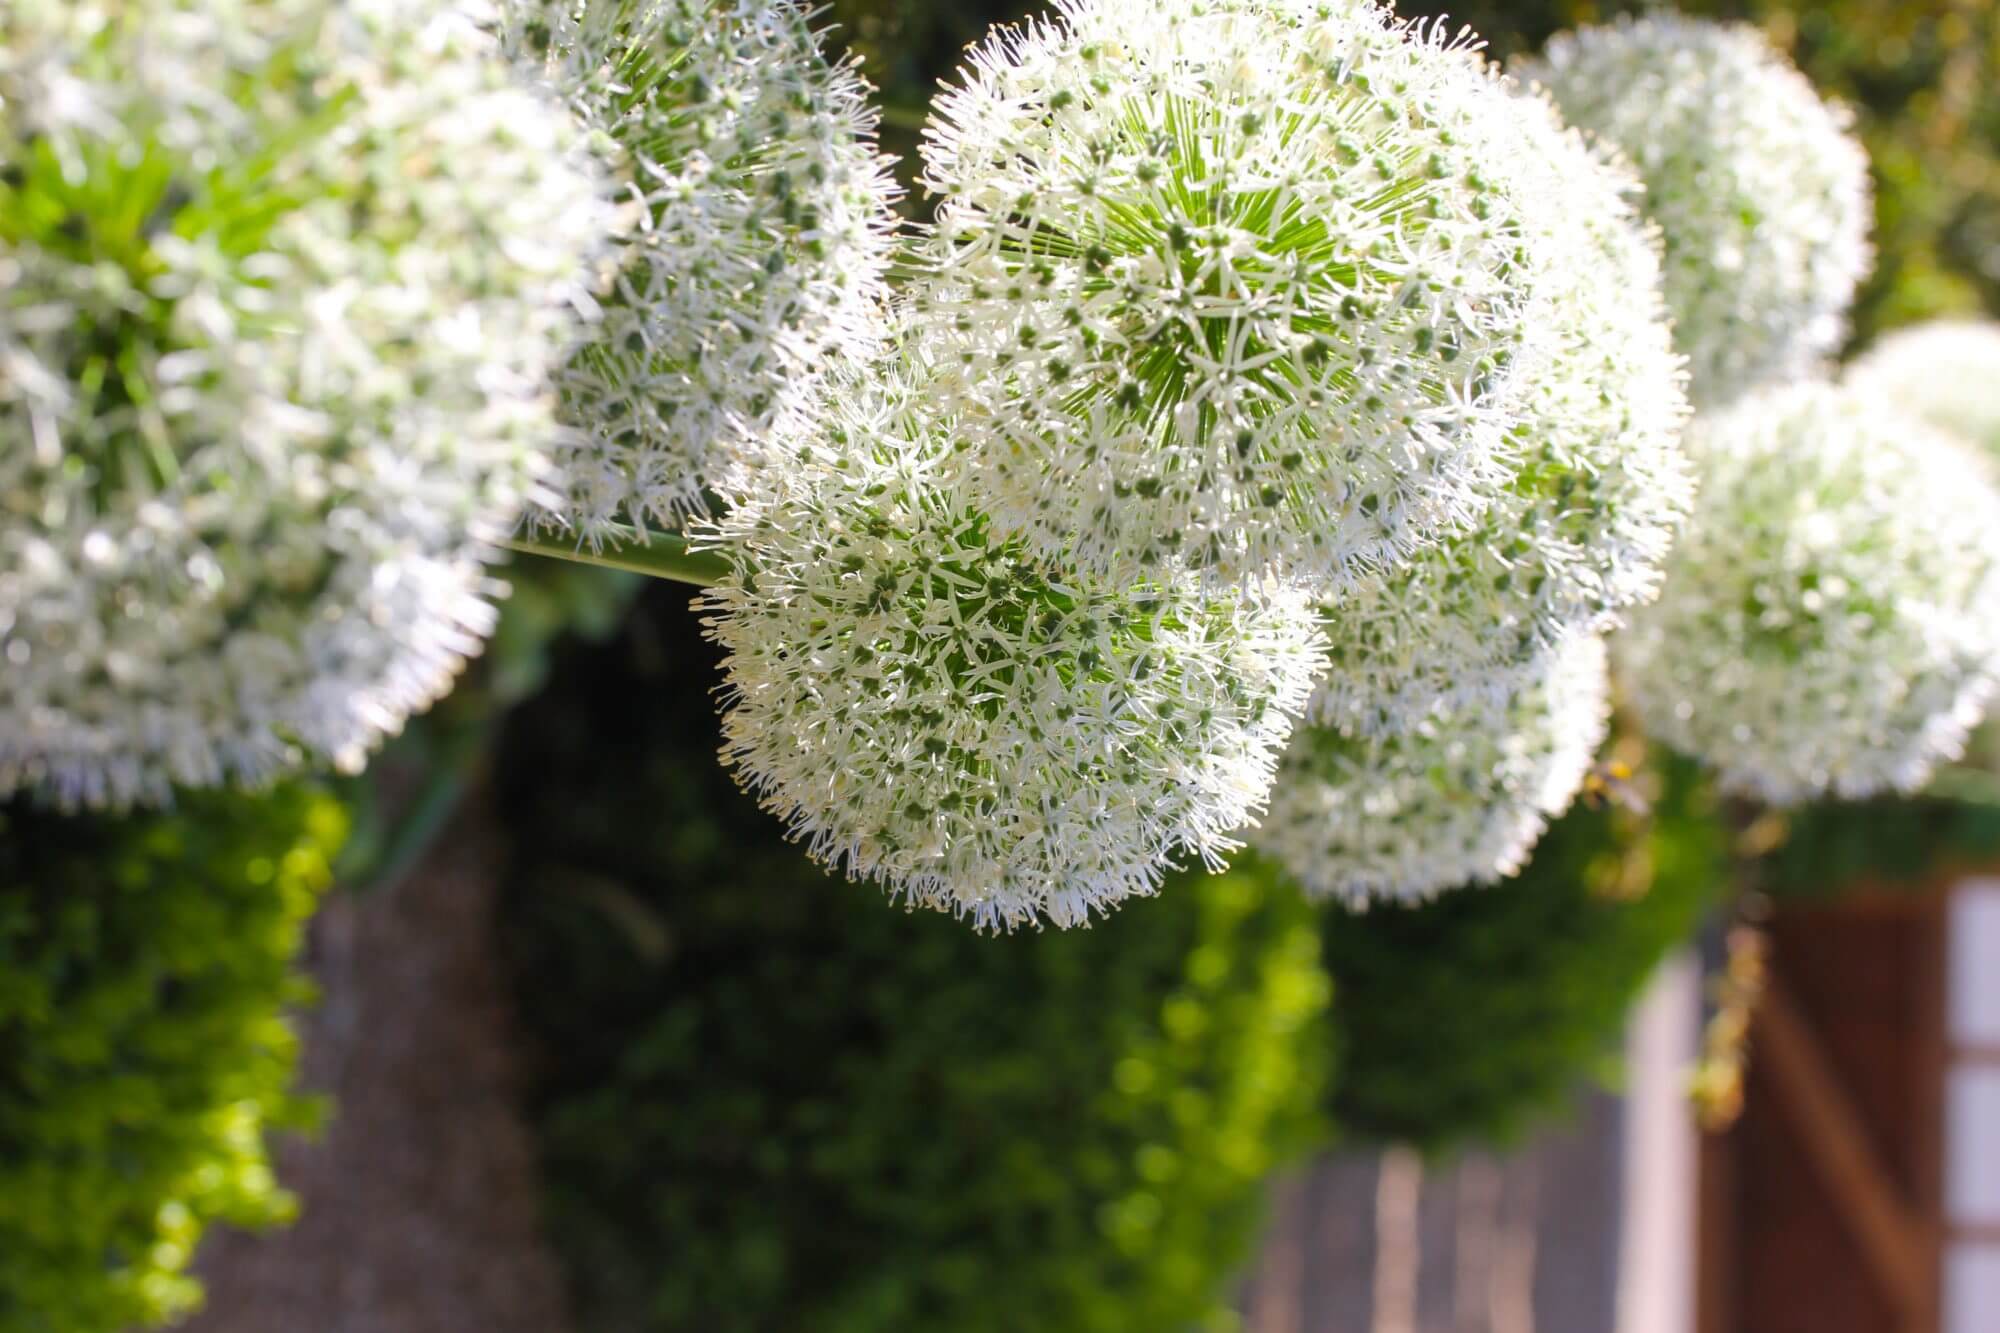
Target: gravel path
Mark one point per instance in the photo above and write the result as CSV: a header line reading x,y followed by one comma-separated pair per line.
x,y
419,1197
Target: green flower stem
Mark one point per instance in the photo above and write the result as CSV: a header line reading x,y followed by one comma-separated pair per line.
x,y
905,117
1965,786
660,555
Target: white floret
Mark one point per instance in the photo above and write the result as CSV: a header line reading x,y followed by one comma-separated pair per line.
x,y
927,704
1237,284
753,255
281,290
1759,187
1829,622
1458,798
1945,373
1601,484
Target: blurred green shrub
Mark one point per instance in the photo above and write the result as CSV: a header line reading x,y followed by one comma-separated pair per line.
x,y
1827,850
1468,1020
905,47
769,1100
413,786
145,966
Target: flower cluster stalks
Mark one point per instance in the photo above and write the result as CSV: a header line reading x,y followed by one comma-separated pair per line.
x,y
1261,442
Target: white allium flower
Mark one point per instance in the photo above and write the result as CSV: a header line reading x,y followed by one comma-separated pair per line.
x,y
1460,798
929,706
1601,484
1830,619
1759,187
1945,373
1236,282
755,252
282,283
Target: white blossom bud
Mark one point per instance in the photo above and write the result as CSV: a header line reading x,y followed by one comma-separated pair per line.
x,y
927,704
757,239
1759,187
1235,283
1829,621
1460,797
282,284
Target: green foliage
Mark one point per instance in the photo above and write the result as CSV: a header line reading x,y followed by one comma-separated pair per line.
x,y
905,47
549,599
770,1101
145,965
1827,850
1468,1019
411,789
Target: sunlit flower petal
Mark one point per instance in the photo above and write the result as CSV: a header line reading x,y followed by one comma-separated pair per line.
x,y
756,240
928,704
1460,797
1234,283
1759,187
1600,486
281,288
1829,621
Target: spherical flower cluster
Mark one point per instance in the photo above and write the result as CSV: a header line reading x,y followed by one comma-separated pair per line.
x,y
1946,374
754,255
1830,620
1600,486
1758,185
929,705
1461,797
1237,283
281,286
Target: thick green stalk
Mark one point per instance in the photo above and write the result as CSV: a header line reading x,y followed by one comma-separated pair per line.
x,y
1966,785
660,555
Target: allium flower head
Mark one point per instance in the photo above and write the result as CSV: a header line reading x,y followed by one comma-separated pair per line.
x,y
1945,373
1229,282
1829,621
1759,187
928,705
754,254
1600,485
1459,798
281,285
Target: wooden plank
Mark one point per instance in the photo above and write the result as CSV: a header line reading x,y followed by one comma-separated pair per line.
x,y
1929,966
1399,1189
1719,1235
1893,1239
1550,1264
1894,901
1275,1292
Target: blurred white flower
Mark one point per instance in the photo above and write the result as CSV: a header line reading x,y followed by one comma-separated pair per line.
x,y
1759,187
1460,797
928,705
1237,283
1600,483
757,238
1945,373
1830,620
281,287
